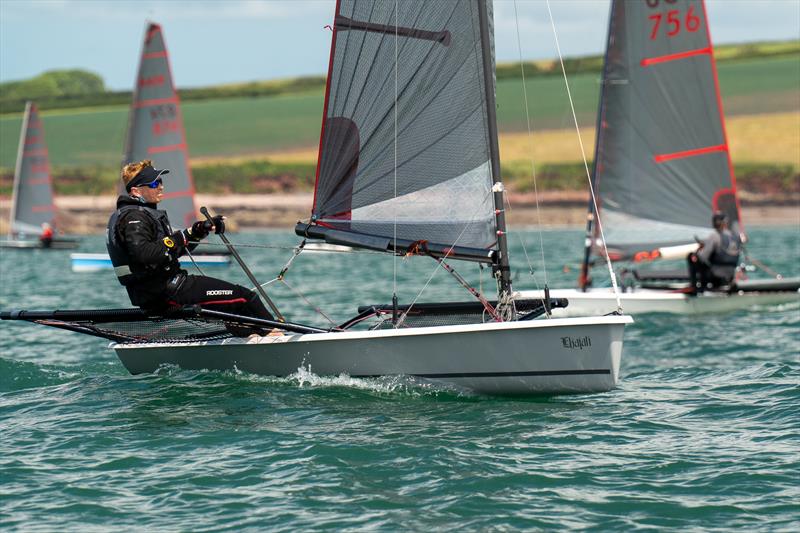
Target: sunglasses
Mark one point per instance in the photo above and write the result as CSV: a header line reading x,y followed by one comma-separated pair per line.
x,y
153,184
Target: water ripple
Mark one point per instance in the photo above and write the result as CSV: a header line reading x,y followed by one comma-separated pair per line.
x,y
703,433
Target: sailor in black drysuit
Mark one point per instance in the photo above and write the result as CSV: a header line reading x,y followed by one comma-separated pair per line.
x,y
144,250
716,260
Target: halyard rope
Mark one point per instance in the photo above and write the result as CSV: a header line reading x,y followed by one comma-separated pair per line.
x,y
585,164
533,166
394,204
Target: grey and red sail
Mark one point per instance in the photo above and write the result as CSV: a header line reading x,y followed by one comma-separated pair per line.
x,y
32,198
407,141
662,164
155,128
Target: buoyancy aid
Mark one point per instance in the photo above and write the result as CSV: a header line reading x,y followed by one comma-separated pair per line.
x,y
130,272
727,253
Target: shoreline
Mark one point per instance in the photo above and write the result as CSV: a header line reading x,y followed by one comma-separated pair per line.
x,y
83,215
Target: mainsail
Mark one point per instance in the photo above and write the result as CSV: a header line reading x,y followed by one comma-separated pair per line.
x,y
408,149
662,165
155,128
32,202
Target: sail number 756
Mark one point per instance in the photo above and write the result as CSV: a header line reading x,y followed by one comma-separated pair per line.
x,y
674,22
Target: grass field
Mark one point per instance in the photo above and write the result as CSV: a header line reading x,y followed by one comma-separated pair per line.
x,y
764,138
285,124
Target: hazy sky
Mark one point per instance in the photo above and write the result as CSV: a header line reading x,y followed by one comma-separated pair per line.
x,y
212,42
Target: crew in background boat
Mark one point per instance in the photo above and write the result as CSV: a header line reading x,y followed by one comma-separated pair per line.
x,y
46,237
144,250
716,260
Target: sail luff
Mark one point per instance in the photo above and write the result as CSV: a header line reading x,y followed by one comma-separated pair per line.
x,y
494,148
722,122
128,150
325,105
583,279
18,168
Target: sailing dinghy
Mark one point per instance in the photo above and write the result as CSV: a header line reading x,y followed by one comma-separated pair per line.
x,y
408,165
662,167
155,131
32,202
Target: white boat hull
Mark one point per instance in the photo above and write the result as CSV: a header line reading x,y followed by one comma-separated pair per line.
x,y
557,356
602,301
58,244
82,262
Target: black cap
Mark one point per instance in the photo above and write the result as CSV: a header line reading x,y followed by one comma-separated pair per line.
x,y
147,175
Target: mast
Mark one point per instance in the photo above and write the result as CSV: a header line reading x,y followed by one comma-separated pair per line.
x,y
18,169
501,264
583,279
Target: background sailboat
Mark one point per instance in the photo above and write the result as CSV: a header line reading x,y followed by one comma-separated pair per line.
x,y
155,131
662,164
32,202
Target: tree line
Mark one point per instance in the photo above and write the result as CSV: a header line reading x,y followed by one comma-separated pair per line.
x,y
59,89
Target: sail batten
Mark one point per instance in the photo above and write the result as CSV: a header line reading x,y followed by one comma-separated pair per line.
x,y
443,158
441,37
156,131
662,163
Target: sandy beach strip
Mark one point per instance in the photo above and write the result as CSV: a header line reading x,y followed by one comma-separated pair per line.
x,y
89,214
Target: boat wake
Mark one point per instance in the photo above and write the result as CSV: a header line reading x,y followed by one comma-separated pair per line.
x,y
305,378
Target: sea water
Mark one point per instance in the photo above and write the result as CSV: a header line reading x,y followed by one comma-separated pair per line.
x,y
702,433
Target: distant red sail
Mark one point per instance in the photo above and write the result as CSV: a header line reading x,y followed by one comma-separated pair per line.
x,y
662,157
32,201
155,128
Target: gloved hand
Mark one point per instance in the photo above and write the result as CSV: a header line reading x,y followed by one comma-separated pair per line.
x,y
176,242
199,230
219,224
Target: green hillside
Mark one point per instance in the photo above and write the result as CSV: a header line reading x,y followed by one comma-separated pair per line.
x,y
241,126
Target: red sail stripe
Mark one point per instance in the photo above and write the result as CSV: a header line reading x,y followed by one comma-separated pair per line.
x,y
167,148
156,101
151,32
646,62
39,181
154,55
660,158
35,152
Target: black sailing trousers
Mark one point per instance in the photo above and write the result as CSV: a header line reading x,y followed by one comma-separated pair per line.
x,y
217,295
701,276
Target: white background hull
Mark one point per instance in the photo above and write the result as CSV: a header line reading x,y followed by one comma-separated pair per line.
x,y
37,245
81,262
540,356
596,302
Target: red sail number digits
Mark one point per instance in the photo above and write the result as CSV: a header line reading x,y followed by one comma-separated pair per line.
x,y
674,21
